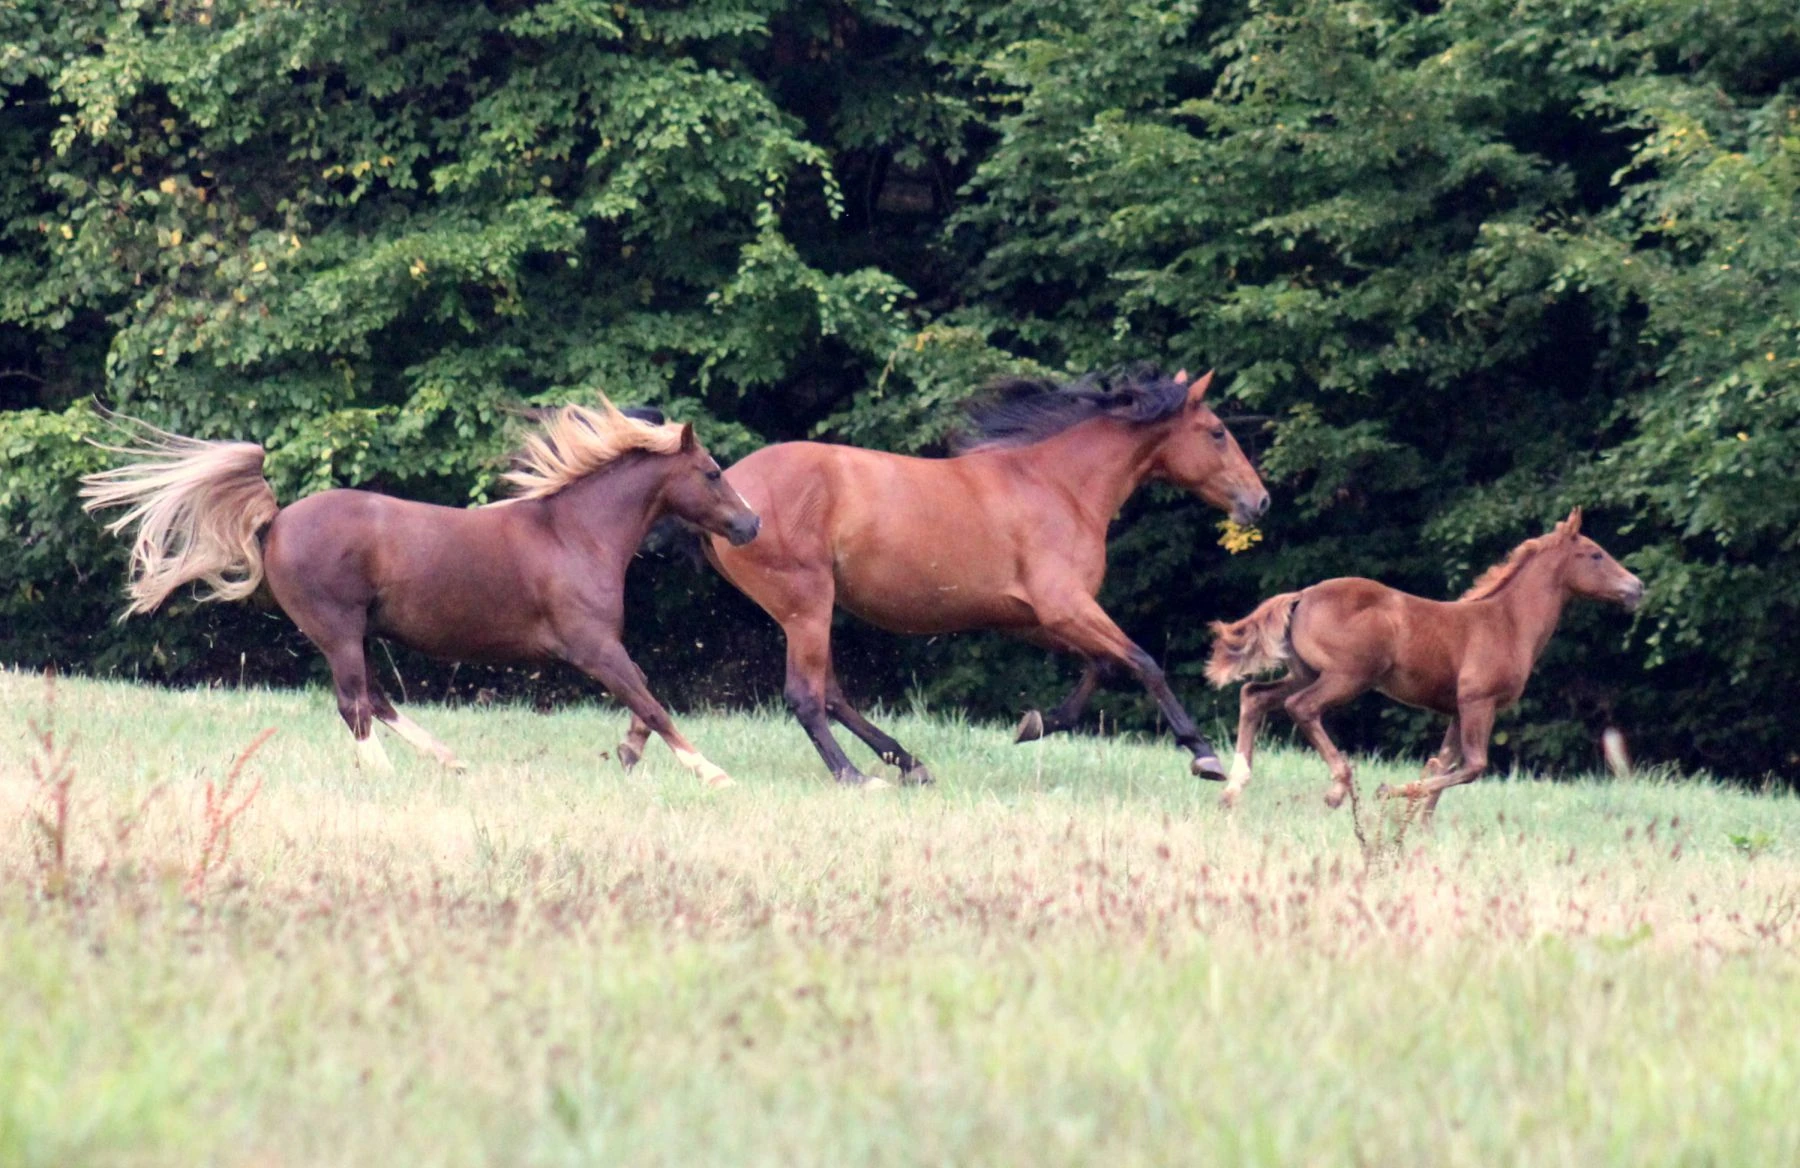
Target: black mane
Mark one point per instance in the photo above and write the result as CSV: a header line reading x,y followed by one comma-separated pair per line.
x,y
1018,411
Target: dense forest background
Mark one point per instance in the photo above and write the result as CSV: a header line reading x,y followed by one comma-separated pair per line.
x,y
1460,265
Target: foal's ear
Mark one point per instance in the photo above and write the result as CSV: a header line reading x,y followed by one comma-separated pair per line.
x,y
1196,389
1572,525
687,438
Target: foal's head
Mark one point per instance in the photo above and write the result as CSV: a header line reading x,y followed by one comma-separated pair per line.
x,y
695,490
1200,454
1591,572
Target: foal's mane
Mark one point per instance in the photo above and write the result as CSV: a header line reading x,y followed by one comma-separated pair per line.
x,y
1504,572
1018,411
573,441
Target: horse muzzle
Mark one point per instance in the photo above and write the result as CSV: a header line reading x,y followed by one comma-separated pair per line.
x,y
1632,596
743,529
1247,509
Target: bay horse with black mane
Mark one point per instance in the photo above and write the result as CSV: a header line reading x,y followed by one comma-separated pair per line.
x,y
535,577
1008,534
1468,658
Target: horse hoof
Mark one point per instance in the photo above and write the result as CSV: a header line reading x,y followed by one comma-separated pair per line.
x,y
455,764
1031,728
1228,798
720,781
918,776
628,757
1384,792
1207,767
1334,797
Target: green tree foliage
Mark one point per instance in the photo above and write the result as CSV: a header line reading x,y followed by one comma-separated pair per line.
x,y
1460,267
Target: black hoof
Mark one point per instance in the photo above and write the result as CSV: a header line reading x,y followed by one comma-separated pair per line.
x,y
1207,767
1031,728
628,757
918,776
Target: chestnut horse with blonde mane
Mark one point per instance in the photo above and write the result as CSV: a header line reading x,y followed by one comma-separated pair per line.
x,y
537,576
1468,658
1009,534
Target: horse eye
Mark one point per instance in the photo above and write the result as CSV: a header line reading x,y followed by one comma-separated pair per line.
x,y
1594,556
713,476
1219,434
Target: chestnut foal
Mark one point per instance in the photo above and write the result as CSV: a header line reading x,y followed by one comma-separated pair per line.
x,y
538,576
1468,658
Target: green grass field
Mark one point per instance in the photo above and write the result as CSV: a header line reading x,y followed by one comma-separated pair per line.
x,y
1062,954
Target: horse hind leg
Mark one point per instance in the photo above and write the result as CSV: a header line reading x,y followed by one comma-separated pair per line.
x,y
350,681
414,734
1035,725
912,771
1307,707
631,747
1256,701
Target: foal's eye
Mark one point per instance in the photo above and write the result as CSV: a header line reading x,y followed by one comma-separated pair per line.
x,y
1594,556
713,476
1219,434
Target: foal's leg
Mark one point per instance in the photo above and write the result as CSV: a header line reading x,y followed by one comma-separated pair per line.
x,y
1307,707
1449,753
1035,725
339,635
1256,701
1082,626
604,659
415,735
891,752
1474,722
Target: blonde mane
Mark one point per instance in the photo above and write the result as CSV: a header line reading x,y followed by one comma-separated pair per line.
x,y
574,441
1502,573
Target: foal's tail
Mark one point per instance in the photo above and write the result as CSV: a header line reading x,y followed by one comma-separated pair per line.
x,y
1256,644
199,509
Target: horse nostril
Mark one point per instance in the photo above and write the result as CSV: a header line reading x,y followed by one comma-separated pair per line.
x,y
1262,505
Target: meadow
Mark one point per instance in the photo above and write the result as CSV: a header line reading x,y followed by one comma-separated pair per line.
x,y
1064,953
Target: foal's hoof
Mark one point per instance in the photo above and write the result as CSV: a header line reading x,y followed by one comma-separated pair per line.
x,y
628,757
1207,767
918,776
1384,792
1031,728
1335,794
718,782
1228,798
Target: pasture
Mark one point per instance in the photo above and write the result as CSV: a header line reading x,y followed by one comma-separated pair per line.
x,y
1064,953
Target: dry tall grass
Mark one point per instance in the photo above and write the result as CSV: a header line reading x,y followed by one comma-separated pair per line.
x,y
1063,953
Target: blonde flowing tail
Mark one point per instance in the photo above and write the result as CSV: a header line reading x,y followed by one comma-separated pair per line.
x,y
199,509
1256,644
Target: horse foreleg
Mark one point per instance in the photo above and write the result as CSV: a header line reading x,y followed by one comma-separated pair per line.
x,y
1448,754
414,734
1474,723
606,661
637,736
1255,702
343,649
1083,627
891,752
1035,725
808,671
1307,707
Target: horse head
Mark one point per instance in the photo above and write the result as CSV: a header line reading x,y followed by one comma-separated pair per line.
x,y
1591,571
1199,454
695,490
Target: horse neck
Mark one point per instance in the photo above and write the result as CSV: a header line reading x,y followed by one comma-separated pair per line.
x,y
1099,463
1534,599
614,506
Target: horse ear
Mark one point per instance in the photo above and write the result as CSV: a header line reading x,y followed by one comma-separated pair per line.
x,y
1197,388
687,437
1572,525
1181,378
